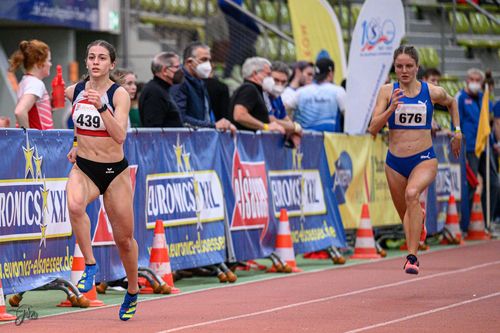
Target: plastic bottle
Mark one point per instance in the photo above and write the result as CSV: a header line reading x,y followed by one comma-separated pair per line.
x,y
58,87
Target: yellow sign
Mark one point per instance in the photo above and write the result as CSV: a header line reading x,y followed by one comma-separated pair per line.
x,y
356,164
316,28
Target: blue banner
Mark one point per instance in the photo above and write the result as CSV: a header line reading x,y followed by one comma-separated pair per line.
x,y
451,178
299,181
264,177
82,14
178,182
35,230
250,220
217,196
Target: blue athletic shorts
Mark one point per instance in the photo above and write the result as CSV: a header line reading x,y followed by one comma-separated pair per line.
x,y
405,165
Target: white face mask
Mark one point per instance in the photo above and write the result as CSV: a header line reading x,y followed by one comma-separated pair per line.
x,y
277,90
204,69
268,84
474,87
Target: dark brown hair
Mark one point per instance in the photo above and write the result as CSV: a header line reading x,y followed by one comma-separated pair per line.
x,y
29,54
111,49
112,56
406,49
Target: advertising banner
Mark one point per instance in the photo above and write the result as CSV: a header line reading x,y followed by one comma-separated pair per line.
x,y
300,182
218,197
82,14
246,190
35,230
378,32
357,170
178,183
451,178
316,29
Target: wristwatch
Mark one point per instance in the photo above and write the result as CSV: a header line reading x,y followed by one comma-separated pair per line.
x,y
103,108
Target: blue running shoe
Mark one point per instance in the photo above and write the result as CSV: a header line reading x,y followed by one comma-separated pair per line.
x,y
87,280
127,310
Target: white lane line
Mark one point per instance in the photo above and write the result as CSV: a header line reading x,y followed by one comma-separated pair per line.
x,y
275,277
420,314
323,299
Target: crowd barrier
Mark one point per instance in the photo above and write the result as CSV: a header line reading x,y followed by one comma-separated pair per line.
x,y
218,196
357,167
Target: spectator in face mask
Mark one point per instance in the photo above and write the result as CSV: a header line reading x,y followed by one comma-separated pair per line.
x,y
470,101
156,107
191,96
280,73
247,107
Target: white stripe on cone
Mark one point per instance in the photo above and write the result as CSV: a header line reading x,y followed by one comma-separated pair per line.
x,y
365,224
286,254
2,302
159,241
365,242
284,228
453,229
476,226
161,268
76,274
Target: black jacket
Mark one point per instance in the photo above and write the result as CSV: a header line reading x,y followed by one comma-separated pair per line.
x,y
156,107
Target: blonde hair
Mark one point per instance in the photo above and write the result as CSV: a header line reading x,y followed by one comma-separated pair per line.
x,y
29,54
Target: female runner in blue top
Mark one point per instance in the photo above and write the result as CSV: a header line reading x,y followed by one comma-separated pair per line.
x,y
411,165
100,114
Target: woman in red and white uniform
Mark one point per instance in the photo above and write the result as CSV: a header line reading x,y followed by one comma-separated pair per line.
x,y
33,109
100,114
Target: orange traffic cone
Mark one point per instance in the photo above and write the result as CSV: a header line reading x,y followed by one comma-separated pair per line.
x,y
365,243
159,262
476,226
4,315
77,268
451,226
284,244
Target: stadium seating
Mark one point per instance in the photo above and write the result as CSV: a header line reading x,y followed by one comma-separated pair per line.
x,y
495,28
269,13
198,7
451,86
429,57
462,23
479,23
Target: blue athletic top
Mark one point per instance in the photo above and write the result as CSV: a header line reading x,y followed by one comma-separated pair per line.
x,y
416,113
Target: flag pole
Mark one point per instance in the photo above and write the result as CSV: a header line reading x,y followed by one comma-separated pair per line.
x,y
488,201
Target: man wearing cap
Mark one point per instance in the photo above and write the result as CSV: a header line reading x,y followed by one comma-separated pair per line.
x,y
319,104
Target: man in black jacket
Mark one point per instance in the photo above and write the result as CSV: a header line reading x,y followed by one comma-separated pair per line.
x,y
156,107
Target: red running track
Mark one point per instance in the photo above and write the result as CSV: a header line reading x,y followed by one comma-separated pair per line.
x,y
458,290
